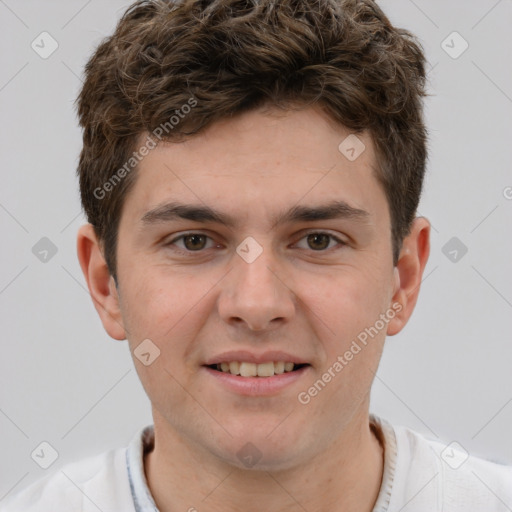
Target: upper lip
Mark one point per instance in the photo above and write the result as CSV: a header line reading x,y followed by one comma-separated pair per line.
x,y
251,357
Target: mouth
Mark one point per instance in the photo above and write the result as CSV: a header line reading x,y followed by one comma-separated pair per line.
x,y
262,370
248,373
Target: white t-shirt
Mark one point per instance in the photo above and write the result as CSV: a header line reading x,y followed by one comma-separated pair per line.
x,y
419,476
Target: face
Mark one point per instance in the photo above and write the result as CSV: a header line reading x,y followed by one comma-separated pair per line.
x,y
257,242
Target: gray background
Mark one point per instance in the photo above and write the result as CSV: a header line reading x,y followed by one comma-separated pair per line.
x,y
64,381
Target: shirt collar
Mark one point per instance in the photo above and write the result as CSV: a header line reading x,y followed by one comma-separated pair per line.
x,y
144,442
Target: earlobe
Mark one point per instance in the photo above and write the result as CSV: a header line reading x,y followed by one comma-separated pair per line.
x,y
409,272
99,281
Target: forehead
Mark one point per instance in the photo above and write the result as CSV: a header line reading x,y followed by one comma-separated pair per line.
x,y
260,162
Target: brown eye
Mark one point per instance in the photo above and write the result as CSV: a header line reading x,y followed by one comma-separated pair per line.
x,y
318,241
194,242
189,243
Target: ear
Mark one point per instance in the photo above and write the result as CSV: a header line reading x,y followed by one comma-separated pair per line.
x,y
101,284
408,273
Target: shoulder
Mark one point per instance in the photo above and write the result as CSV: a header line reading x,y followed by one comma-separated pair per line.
x,y
448,476
94,483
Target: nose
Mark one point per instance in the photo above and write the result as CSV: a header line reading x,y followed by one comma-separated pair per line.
x,y
256,294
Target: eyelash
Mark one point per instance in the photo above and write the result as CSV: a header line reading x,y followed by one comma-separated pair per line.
x,y
187,252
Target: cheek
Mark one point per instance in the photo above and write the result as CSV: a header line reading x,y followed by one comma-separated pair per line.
x,y
346,302
161,294
347,312
168,308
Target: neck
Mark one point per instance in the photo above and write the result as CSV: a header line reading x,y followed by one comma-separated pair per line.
x,y
345,477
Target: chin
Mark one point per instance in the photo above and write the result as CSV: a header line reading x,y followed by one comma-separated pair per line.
x,y
256,450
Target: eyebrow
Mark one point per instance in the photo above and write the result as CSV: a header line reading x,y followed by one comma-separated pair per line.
x,y
201,213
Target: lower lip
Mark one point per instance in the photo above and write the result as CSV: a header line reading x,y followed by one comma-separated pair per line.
x,y
257,386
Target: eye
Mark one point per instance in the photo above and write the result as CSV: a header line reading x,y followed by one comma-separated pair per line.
x,y
319,241
196,242
191,242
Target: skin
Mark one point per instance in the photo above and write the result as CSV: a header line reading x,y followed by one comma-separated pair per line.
x,y
295,297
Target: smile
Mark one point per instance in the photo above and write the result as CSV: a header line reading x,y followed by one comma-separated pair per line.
x,y
246,369
256,379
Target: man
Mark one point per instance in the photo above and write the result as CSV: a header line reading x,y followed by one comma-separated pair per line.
x,y
251,172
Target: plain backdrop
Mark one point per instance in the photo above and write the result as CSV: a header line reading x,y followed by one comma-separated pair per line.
x,y
65,382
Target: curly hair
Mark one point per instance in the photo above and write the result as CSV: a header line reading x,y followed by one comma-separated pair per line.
x,y
225,57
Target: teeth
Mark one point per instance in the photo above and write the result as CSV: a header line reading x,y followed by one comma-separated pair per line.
x,y
279,367
234,368
288,367
252,369
265,369
248,369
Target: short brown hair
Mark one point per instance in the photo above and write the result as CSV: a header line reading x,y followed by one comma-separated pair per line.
x,y
229,56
